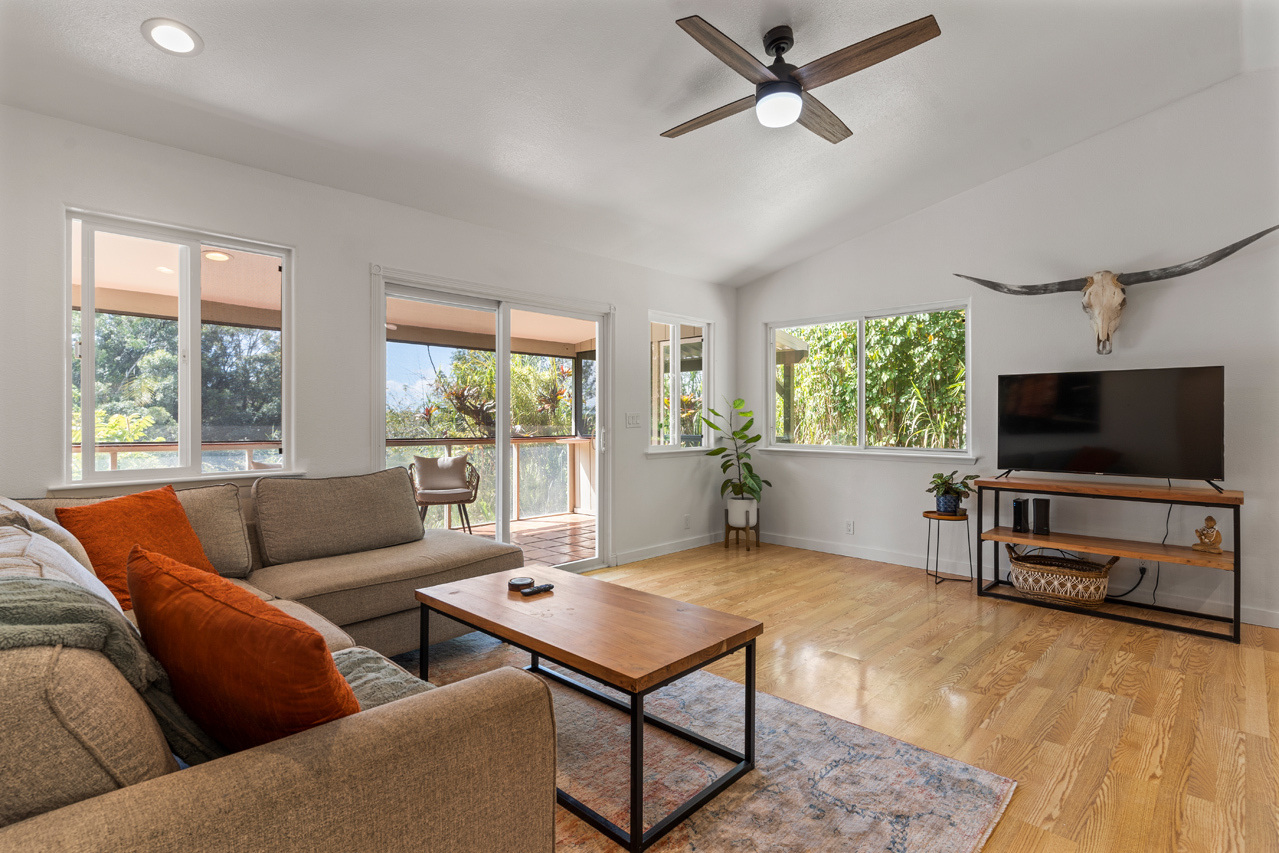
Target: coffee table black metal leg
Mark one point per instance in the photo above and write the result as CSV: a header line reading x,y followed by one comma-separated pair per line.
x,y
750,705
637,772
424,641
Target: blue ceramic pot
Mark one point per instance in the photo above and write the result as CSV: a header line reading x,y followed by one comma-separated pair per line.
x,y
948,504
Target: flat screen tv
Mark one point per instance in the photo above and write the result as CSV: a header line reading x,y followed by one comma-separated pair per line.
x,y
1168,422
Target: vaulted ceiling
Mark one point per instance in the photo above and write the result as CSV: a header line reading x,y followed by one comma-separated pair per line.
x,y
542,118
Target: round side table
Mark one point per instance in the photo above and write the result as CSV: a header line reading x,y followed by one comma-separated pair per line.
x,y
935,573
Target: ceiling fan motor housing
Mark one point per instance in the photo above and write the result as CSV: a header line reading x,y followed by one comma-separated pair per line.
x,y
778,40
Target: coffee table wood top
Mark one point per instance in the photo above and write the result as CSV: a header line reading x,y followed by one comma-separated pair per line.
x,y
629,639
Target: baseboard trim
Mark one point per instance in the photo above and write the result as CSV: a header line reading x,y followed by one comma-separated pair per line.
x,y
662,550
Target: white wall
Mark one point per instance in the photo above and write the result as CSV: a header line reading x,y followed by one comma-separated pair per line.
x,y
1165,188
47,164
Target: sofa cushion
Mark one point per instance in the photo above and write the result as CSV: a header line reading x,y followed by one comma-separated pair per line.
x,y
110,529
217,519
248,587
215,515
73,729
310,519
334,637
27,554
355,587
375,679
245,671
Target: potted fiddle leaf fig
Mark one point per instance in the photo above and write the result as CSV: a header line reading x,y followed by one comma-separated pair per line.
x,y
950,492
743,486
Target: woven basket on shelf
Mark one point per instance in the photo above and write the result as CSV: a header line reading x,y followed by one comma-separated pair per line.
x,y
1061,580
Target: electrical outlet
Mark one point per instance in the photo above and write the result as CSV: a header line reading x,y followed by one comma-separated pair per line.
x,y
848,528
688,521
633,420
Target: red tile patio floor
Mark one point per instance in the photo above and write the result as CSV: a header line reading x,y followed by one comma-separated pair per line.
x,y
551,540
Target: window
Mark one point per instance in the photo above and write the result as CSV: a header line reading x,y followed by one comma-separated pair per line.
x,y
687,374
882,381
178,353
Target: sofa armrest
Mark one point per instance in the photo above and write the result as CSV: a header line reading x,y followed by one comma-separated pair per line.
x,y
466,767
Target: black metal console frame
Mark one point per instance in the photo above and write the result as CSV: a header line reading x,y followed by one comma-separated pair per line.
x,y
985,590
636,839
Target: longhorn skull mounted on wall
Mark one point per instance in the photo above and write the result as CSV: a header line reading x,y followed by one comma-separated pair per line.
x,y
1104,297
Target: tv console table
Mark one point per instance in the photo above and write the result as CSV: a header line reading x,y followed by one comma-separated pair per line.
x,y
1154,552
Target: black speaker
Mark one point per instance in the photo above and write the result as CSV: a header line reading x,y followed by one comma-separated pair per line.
x,y
1021,515
1041,515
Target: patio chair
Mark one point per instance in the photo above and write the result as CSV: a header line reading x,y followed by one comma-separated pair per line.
x,y
444,481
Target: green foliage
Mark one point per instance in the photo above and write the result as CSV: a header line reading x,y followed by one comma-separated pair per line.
x,y
943,485
915,383
745,483
915,388
824,396
461,401
137,372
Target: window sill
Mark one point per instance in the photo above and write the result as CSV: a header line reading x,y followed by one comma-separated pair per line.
x,y
237,477
960,457
655,452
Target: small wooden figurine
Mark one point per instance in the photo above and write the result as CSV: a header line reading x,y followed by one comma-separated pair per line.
x,y
1209,537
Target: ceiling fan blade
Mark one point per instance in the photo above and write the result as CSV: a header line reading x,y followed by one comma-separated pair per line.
x,y
726,50
866,53
818,118
713,116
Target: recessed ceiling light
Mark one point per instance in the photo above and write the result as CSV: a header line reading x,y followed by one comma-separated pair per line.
x,y
216,256
164,270
391,327
172,37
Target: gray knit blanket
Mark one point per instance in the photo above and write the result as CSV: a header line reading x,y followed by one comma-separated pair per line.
x,y
43,612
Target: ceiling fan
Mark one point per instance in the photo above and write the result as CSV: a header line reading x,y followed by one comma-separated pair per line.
x,y
782,91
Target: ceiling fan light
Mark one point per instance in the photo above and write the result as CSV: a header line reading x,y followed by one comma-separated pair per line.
x,y
778,103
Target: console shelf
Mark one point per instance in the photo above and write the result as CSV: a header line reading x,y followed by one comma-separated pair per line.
x,y
1229,502
1152,551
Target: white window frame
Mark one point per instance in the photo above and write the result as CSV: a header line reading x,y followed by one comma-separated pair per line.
x,y
966,456
189,367
674,323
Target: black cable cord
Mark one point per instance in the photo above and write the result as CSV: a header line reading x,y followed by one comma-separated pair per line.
x,y
1159,566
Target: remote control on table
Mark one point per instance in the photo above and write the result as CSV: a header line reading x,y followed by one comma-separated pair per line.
x,y
534,590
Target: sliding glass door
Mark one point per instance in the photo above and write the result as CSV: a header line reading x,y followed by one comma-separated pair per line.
x,y
514,390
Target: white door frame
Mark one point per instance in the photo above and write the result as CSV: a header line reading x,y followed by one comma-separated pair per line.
x,y
602,313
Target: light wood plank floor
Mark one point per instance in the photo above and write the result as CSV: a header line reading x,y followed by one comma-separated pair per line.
x,y
1122,738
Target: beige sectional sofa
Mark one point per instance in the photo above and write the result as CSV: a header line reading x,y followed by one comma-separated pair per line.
x,y
351,549
465,767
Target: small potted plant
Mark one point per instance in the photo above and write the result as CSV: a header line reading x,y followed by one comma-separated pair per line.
x,y
950,492
745,485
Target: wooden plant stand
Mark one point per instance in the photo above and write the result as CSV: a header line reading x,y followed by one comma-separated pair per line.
x,y
1229,561
737,531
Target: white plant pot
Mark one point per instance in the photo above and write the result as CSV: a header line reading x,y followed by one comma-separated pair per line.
x,y
742,512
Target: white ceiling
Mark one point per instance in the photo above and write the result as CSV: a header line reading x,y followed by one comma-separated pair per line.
x,y
542,118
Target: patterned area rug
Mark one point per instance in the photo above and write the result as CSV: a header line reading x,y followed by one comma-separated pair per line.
x,y
819,784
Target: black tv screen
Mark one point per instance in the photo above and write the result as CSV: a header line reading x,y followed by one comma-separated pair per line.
x,y
1168,422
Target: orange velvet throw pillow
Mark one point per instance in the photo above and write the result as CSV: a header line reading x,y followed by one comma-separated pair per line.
x,y
154,520
245,671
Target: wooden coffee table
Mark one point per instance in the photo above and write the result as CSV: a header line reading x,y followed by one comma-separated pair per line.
x,y
633,641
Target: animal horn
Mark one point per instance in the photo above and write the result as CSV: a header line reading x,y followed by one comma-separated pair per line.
x,y
1190,266
1071,285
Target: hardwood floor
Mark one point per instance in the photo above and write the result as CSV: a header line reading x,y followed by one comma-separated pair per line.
x,y
1121,738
